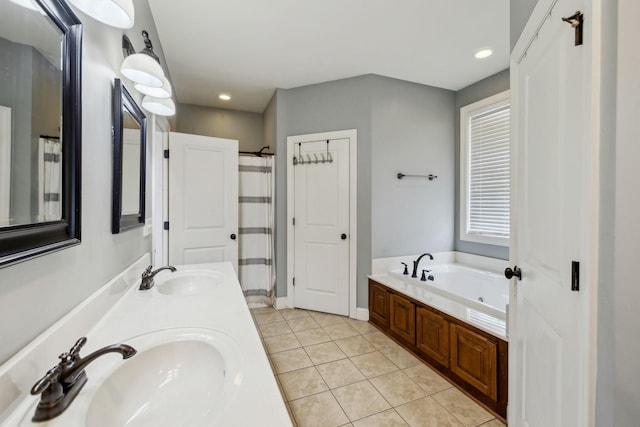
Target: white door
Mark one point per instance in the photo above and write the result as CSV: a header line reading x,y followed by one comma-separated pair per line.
x,y
5,164
549,334
321,213
203,199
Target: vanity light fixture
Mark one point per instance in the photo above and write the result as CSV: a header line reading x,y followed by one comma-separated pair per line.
x,y
115,13
482,53
144,67
164,91
225,97
159,106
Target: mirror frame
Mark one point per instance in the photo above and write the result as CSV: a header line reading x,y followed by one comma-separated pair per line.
x,y
123,99
21,242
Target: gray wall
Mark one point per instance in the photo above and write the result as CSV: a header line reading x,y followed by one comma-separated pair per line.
x,y
270,123
492,85
519,12
246,127
36,293
337,105
413,133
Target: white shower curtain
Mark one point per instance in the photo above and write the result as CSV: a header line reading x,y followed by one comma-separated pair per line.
x,y
256,266
50,180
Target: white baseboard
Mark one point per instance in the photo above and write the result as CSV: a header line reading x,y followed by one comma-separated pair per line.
x,y
362,314
280,303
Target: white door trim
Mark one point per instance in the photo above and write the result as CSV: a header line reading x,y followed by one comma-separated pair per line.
x,y
159,127
589,287
352,134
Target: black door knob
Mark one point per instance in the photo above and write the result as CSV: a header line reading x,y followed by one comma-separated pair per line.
x,y
233,237
516,272
343,236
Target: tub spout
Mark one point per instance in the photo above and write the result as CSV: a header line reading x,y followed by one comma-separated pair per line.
x,y
416,263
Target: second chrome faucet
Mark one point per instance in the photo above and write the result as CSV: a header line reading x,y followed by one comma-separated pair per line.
x,y
148,275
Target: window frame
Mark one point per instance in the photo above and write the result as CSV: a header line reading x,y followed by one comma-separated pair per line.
x,y
466,112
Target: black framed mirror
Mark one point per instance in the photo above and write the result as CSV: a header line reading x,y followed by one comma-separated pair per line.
x,y
129,161
40,128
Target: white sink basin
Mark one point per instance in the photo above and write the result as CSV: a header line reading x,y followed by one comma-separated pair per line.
x,y
180,377
192,282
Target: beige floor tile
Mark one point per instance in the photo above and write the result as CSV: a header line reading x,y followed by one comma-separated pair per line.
x,y
340,373
379,340
401,357
262,310
293,419
388,418
426,412
362,326
354,346
302,383
302,324
312,336
268,317
427,378
324,353
360,400
290,360
493,423
325,319
397,388
340,331
347,425
373,364
293,313
280,343
318,410
462,407
273,329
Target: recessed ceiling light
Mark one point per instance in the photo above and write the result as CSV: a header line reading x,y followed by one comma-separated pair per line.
x,y
482,53
224,96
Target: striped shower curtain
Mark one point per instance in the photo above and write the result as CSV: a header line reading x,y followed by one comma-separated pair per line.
x,y
50,180
256,267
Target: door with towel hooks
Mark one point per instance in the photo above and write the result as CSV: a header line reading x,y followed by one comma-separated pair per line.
x,y
321,203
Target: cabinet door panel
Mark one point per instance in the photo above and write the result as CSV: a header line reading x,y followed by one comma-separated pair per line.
x,y
473,358
432,335
378,305
403,318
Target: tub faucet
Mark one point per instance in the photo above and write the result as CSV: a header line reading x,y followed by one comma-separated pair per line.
x,y
147,276
62,383
416,263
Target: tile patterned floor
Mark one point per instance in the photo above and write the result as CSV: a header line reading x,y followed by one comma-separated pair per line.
x,y
334,371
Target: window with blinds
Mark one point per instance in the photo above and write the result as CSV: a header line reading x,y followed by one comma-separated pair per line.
x,y
485,170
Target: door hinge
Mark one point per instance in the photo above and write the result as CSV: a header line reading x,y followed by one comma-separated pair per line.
x,y
165,225
294,221
166,154
294,281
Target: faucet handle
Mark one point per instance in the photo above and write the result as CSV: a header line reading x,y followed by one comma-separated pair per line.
x,y
406,269
147,271
74,353
52,377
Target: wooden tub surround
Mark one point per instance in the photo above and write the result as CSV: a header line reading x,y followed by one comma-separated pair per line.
x,y
472,359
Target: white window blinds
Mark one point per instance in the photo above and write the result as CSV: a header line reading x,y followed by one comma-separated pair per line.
x,y
487,175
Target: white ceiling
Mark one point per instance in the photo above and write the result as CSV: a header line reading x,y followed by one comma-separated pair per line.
x,y
249,48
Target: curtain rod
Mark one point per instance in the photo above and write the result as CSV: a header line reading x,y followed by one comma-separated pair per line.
x,y
49,137
258,153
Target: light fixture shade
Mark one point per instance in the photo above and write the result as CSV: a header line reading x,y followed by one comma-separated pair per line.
x,y
143,69
161,107
157,92
115,13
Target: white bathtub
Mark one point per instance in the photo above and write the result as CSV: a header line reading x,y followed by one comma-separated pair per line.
x,y
476,296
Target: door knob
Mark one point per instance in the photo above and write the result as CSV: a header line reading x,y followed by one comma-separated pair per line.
x,y
233,237
516,272
343,236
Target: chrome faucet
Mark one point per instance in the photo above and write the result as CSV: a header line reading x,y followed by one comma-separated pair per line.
x,y
417,262
147,276
62,383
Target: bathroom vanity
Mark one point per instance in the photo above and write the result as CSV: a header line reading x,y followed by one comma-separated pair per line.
x,y
199,358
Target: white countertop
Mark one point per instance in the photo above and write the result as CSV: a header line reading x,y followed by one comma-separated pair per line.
x,y
483,321
257,399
